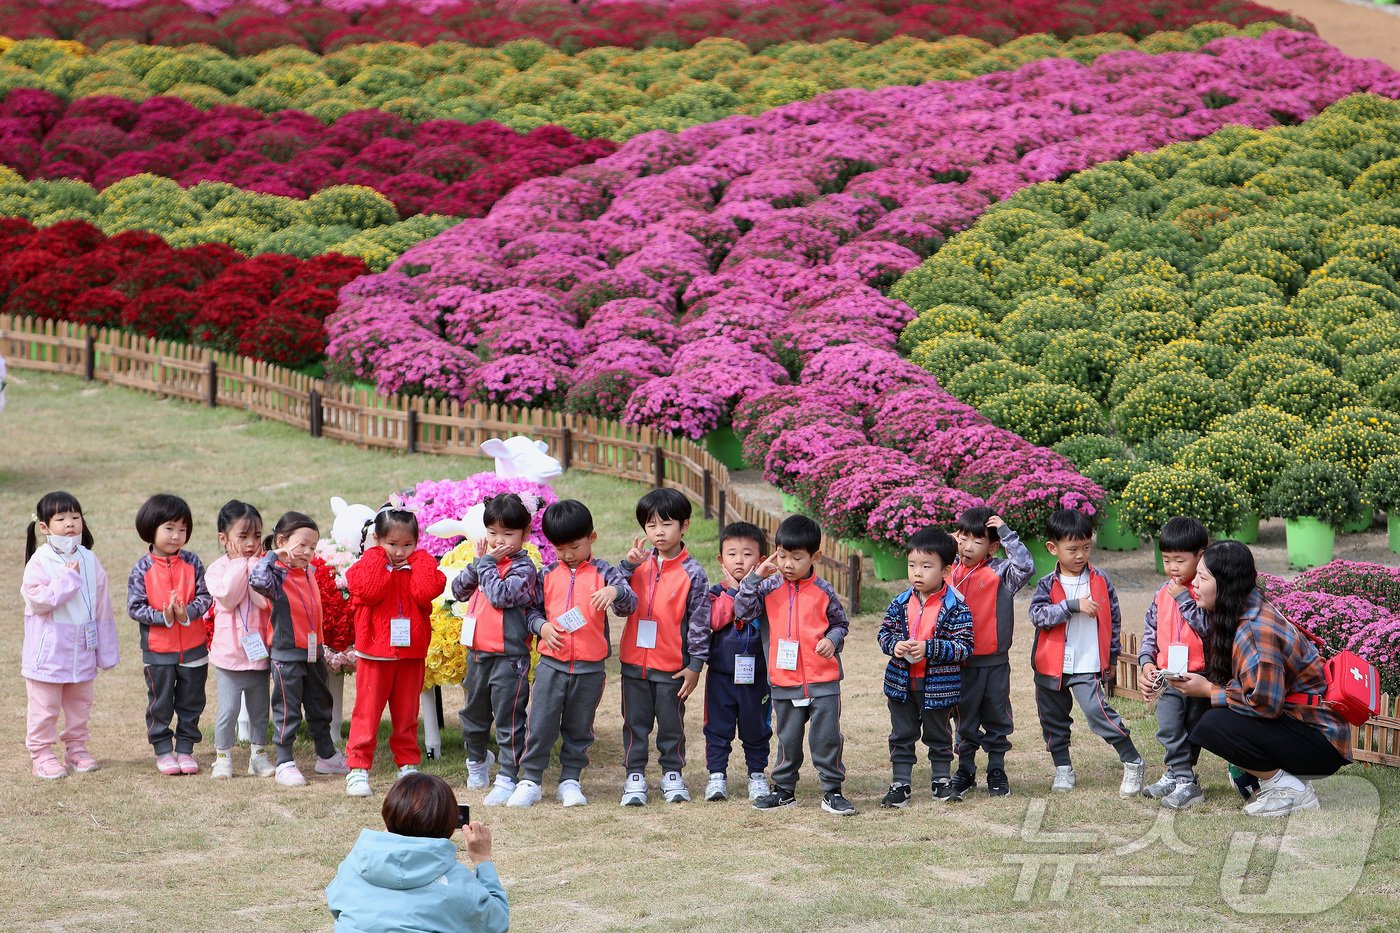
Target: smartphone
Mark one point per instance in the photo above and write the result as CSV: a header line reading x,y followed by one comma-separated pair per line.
x,y
464,814
1171,675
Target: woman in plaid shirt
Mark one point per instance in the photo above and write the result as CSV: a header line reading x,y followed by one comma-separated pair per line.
x,y
1256,660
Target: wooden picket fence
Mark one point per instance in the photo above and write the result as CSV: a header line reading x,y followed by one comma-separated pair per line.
x,y
397,422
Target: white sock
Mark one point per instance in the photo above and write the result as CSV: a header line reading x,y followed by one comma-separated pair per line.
x,y
1285,780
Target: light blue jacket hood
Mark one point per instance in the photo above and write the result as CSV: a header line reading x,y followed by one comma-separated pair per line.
x,y
387,860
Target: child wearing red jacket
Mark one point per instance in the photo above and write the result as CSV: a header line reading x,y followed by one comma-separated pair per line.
x,y
392,588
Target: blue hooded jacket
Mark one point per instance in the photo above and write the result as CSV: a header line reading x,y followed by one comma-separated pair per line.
x,y
411,884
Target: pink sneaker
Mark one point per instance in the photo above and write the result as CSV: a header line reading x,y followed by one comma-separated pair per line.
x,y
187,764
82,762
167,765
49,768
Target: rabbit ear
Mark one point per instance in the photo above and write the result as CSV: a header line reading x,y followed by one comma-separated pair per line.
x,y
338,505
447,528
495,447
542,447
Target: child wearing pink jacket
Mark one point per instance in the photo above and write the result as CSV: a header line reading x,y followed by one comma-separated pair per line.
x,y
69,634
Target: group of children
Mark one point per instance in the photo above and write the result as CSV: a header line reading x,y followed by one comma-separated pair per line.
x,y
771,632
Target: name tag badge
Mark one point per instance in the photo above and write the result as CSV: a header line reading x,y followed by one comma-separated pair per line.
x,y
646,633
253,646
398,633
1177,658
312,652
743,668
787,655
90,636
571,621
1069,660
468,631
805,701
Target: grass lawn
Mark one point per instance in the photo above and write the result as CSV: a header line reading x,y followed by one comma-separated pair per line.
x,y
126,849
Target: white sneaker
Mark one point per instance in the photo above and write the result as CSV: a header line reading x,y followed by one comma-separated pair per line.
x,y
332,765
406,770
258,765
1064,779
357,783
1281,801
479,772
500,792
634,792
1132,778
673,789
526,794
717,787
758,785
571,795
223,768
289,775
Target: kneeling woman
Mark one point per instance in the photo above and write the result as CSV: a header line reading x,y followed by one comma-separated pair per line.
x,y
1265,682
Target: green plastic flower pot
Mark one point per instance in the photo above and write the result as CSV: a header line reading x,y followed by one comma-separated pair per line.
x,y
1248,530
890,563
1392,527
1044,560
1157,550
791,504
1113,534
1310,542
723,444
863,545
1368,517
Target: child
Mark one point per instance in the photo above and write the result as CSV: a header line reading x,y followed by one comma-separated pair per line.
x,y
497,590
570,618
1172,640
736,688
69,634
241,632
1075,651
988,585
927,633
392,588
665,643
166,593
300,682
803,629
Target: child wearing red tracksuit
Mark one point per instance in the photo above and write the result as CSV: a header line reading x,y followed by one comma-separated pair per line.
x,y
392,588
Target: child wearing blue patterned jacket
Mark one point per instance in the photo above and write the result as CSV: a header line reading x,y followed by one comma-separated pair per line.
x,y
927,633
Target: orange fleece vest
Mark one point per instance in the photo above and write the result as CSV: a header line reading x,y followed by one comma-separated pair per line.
x,y
1050,643
797,612
663,595
980,587
564,591
1173,630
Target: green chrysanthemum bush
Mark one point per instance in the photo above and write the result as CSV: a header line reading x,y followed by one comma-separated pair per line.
x,y
1351,446
1151,499
1323,491
1044,414
1250,463
1382,486
1183,401
980,382
1084,449
1264,422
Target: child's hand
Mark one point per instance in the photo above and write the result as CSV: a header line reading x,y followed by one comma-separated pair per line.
x,y
1090,605
690,678
602,599
826,648
551,636
286,554
996,522
1109,677
636,556
914,655
902,648
1175,588
71,565
169,613
768,568
1150,681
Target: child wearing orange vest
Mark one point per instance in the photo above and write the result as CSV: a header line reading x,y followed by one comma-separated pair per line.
x,y
803,628
1172,641
570,618
1075,651
989,585
665,643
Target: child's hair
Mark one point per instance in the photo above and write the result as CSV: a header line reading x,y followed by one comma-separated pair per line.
x,y
669,505
1068,525
974,522
286,525
798,533
159,509
745,531
566,521
1183,534
53,503
385,520
508,511
934,540
235,511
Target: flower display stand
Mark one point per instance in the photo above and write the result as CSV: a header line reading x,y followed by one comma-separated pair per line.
x,y
1113,535
1310,542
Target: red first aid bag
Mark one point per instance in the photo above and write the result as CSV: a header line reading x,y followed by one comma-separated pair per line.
x,y
1353,685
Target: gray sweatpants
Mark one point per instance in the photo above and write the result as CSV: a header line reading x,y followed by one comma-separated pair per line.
x,y
910,722
1177,715
234,686
301,690
497,690
648,702
1054,707
984,716
174,692
565,703
824,738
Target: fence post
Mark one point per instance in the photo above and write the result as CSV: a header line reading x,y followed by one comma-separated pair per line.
x,y
90,357
213,383
659,465
315,413
709,484
566,449
855,569
412,431
722,508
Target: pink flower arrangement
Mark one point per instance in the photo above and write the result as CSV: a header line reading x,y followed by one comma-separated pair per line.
x,y
1027,501
438,500
845,506
796,452
906,510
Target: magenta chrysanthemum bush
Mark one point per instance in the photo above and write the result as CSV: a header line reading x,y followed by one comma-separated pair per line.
x,y
451,499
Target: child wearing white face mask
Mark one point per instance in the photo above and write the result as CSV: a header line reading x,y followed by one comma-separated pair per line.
x,y
69,634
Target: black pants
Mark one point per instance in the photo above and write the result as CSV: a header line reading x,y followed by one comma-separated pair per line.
x,y
1256,744
301,690
174,692
910,723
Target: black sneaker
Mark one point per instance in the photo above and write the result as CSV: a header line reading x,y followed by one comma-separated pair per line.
x,y
897,796
997,784
963,781
942,790
833,802
778,797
